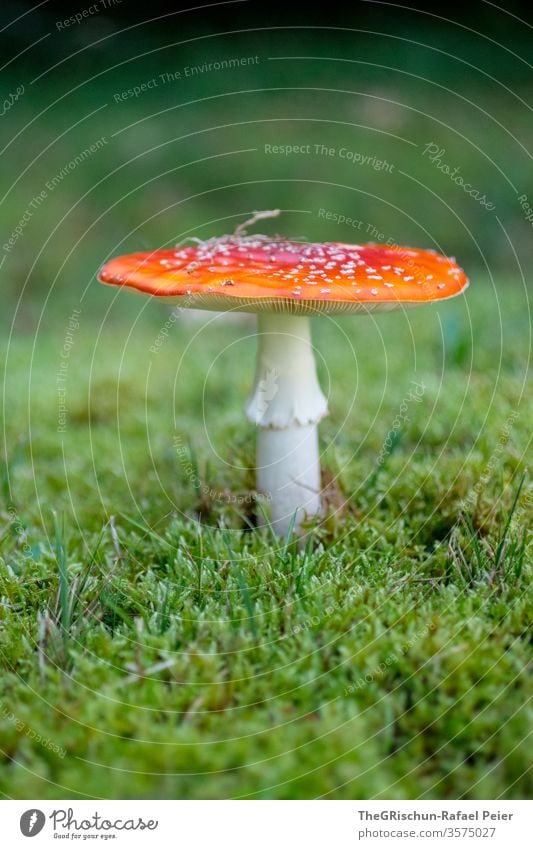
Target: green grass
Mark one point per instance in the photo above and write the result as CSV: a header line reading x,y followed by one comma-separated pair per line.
x,y
154,644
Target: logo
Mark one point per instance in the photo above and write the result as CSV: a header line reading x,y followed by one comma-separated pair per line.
x,y
267,389
32,822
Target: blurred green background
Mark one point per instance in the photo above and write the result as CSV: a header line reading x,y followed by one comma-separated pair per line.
x,y
187,155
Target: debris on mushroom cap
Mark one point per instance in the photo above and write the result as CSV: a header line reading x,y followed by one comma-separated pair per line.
x,y
259,273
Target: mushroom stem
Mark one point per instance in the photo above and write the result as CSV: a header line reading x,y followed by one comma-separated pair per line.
x,y
287,404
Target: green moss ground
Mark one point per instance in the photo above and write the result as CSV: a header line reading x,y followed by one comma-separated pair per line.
x,y
156,656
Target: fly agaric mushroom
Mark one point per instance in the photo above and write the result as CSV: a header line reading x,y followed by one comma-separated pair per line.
x,y
286,282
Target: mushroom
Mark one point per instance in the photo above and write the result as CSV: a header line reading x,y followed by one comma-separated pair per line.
x,y
285,282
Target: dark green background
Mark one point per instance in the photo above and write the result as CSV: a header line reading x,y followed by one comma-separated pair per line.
x,y
382,80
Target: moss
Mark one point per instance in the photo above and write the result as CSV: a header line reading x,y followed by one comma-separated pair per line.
x,y
387,659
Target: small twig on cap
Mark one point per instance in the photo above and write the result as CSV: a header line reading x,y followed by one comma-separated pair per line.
x,y
241,229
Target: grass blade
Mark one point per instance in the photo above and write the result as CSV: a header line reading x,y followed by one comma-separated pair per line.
x,y
61,558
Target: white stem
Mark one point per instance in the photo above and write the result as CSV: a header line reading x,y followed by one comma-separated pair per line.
x,y
287,404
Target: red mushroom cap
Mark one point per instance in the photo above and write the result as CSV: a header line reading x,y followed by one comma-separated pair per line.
x,y
258,273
